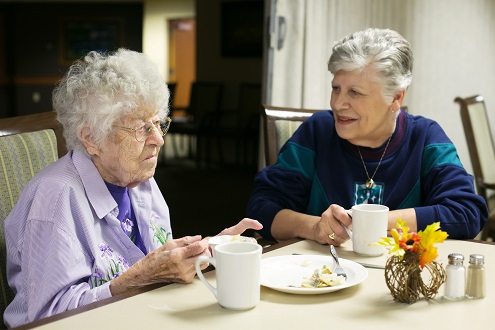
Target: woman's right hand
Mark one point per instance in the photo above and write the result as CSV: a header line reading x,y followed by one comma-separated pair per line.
x,y
173,262
329,229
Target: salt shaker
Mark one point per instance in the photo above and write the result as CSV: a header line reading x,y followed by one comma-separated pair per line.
x,y
475,286
456,277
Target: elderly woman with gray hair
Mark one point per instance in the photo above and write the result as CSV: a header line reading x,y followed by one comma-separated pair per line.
x,y
366,150
94,224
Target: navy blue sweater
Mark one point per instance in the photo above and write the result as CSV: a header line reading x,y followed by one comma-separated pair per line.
x,y
420,170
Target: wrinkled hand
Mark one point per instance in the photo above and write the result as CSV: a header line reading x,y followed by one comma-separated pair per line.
x,y
329,229
173,262
241,227
181,242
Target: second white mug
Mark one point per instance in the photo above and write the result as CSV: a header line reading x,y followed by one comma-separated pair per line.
x,y
369,225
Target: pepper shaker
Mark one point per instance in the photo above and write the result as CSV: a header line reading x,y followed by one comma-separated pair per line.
x,y
456,277
475,286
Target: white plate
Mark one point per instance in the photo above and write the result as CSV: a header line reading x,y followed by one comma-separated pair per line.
x,y
286,273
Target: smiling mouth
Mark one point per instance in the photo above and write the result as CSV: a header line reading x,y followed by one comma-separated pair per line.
x,y
345,119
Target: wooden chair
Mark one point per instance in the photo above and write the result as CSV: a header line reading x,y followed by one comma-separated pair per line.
x,y
27,144
482,153
279,124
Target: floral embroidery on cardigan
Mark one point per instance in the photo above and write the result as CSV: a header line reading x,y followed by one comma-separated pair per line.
x,y
117,265
160,234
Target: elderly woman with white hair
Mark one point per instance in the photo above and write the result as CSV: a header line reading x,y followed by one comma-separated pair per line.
x,y
366,150
94,224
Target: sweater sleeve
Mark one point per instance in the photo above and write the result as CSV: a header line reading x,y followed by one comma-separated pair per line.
x,y
271,195
287,184
55,274
448,193
450,199
48,267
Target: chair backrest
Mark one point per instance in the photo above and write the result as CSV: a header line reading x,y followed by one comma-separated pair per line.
x,y
35,122
279,125
27,144
205,97
480,143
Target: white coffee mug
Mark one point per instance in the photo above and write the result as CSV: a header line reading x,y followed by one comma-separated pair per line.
x,y
237,266
369,225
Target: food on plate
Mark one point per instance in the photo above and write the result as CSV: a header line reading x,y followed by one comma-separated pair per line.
x,y
236,238
323,278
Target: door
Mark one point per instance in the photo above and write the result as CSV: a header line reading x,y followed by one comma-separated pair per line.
x,y
182,59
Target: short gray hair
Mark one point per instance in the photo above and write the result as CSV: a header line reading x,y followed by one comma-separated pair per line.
x,y
100,88
386,49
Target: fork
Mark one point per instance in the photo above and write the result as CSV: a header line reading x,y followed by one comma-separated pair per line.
x,y
338,270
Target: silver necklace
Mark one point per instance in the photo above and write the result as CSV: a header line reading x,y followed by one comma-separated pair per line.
x,y
370,183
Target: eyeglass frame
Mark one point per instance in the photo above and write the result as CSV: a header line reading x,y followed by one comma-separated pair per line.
x,y
159,128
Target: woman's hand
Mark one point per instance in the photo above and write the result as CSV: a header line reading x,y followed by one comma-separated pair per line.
x,y
241,227
329,229
173,262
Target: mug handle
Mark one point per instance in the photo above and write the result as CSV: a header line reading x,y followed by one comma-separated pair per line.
x,y
347,230
200,272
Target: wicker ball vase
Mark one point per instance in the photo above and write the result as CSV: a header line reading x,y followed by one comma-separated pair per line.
x,y
405,278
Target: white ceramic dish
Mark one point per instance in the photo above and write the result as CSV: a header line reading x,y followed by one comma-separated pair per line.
x,y
286,273
215,240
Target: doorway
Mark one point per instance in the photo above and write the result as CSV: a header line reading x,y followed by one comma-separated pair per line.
x,y
182,60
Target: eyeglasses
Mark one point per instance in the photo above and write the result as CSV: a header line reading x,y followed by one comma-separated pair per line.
x,y
143,133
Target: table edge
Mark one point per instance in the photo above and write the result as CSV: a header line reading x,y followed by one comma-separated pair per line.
x,y
130,293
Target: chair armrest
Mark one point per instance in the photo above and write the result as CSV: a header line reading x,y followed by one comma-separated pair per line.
x,y
486,185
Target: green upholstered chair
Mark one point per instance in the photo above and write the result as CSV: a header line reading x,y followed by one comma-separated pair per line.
x,y
279,125
27,145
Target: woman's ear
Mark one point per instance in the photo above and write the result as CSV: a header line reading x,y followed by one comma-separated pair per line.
x,y
85,136
397,101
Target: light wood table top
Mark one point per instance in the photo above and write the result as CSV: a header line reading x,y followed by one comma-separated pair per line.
x,y
368,305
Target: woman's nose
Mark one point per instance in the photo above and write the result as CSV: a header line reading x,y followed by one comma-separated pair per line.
x,y
339,102
155,138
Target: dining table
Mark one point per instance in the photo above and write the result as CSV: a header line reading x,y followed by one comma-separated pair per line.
x,y
368,304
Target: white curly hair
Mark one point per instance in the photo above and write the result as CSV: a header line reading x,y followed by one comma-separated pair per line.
x,y
101,88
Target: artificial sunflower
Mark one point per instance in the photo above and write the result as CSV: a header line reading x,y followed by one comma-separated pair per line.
x,y
403,240
410,253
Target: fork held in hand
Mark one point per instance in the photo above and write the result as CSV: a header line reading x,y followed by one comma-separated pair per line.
x,y
338,270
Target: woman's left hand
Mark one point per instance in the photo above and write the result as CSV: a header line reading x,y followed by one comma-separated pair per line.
x,y
241,227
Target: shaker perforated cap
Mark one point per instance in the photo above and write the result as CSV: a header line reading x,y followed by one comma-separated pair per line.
x,y
456,259
476,259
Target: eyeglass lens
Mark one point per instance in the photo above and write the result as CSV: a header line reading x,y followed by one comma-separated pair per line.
x,y
161,126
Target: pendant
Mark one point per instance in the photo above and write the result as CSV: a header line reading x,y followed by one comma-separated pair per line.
x,y
370,183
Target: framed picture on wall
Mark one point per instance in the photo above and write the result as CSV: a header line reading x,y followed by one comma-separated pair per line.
x,y
78,36
242,28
